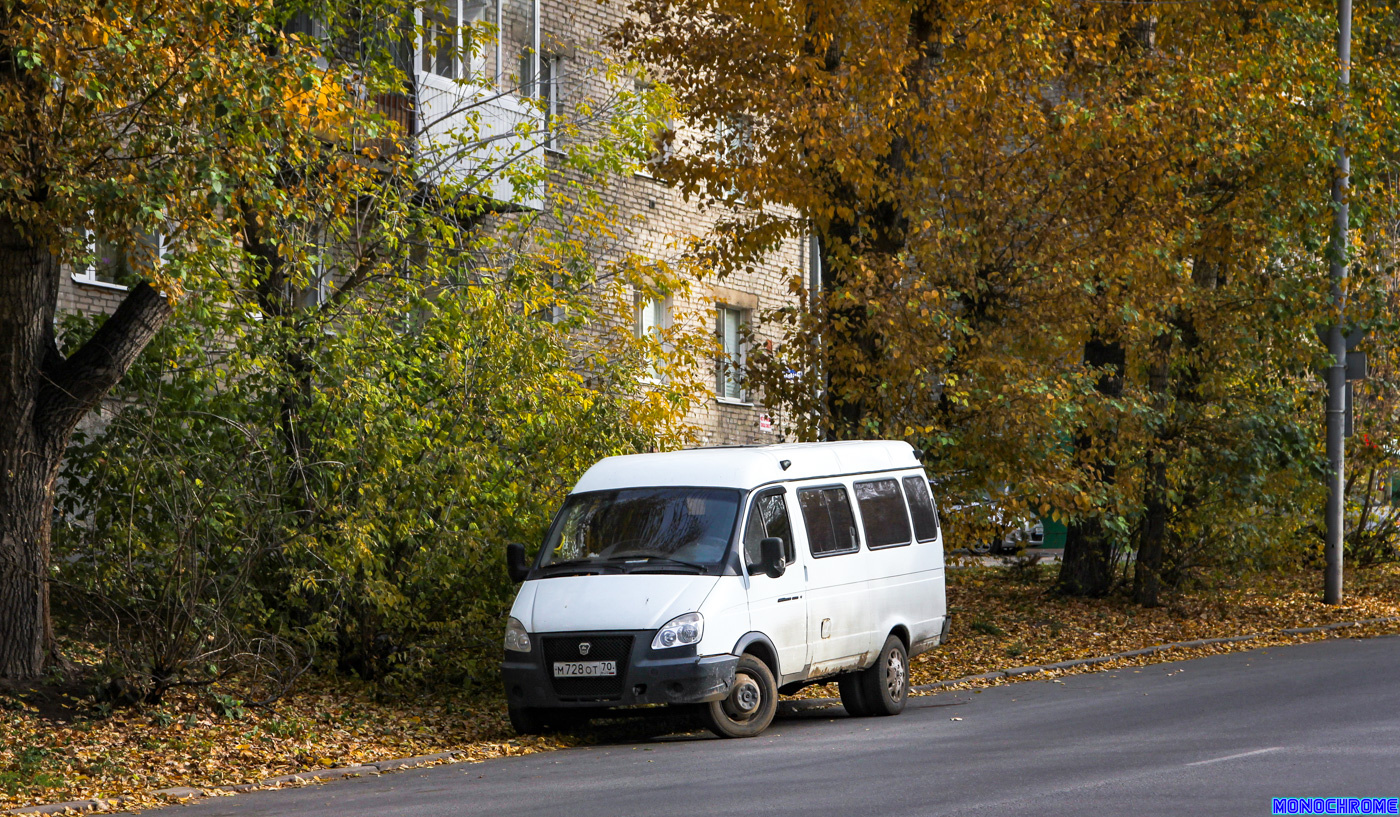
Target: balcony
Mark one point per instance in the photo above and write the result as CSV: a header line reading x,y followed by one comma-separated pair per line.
x,y
466,133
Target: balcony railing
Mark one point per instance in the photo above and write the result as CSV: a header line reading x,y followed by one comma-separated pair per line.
x,y
466,131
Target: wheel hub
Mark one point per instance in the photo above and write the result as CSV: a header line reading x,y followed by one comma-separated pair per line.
x,y
894,675
745,698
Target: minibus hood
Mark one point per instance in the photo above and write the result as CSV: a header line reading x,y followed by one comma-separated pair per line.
x,y
631,601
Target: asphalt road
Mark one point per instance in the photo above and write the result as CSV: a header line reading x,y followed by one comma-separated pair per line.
x,y
1219,735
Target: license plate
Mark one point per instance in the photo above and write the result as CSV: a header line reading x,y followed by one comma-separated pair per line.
x,y
584,669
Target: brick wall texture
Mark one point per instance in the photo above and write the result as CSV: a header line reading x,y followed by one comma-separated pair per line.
x,y
660,220
663,220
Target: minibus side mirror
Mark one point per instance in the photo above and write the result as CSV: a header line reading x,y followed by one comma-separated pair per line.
x,y
771,550
516,566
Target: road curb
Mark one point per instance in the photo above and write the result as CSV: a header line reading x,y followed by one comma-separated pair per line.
x,y
1156,648
180,794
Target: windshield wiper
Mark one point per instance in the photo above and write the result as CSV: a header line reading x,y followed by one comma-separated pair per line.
x,y
644,557
590,565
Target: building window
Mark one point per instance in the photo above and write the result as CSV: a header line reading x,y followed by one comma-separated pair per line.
x,y
551,85
560,289
730,367
653,317
734,136
662,128
305,25
316,289
546,90
446,51
119,263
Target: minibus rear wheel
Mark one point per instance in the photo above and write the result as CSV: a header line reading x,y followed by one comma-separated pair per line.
x,y
886,685
751,704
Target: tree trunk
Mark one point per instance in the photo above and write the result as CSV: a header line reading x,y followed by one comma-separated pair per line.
x,y
28,292
42,398
1088,562
26,496
279,304
1171,401
872,235
1152,540
1152,544
1090,549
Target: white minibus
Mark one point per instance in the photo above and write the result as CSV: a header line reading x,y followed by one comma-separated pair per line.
x,y
722,577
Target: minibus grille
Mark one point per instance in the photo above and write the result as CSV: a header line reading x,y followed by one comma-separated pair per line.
x,y
601,648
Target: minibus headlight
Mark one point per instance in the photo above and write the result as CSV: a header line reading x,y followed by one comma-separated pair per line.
x,y
517,640
680,631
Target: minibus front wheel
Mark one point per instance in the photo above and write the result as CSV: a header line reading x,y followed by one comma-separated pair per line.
x,y
751,704
538,720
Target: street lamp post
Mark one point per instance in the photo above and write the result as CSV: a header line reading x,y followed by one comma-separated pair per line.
x,y
1336,339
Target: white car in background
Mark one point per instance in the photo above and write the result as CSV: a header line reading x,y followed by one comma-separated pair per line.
x,y
985,527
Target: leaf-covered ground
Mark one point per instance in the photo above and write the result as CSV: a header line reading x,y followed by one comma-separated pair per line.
x,y
1003,618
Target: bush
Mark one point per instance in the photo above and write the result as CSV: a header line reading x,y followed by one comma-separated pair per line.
x,y
239,514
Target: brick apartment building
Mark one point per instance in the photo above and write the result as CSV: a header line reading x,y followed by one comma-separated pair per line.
x,y
549,50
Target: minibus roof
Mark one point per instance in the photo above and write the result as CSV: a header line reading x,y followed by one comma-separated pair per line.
x,y
749,466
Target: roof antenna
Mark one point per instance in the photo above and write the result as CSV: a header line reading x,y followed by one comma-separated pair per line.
x,y
786,464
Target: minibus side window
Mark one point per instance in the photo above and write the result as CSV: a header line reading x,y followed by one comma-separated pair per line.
x,y
882,513
831,527
768,517
921,508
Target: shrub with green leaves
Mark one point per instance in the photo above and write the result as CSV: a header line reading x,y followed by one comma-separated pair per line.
x,y
365,522
321,460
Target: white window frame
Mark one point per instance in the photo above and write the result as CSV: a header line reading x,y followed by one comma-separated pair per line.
x,y
318,289
551,83
558,313
426,62
544,90
87,276
658,310
728,388
734,136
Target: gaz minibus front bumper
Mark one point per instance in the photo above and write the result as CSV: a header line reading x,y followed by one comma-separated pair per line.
x,y
571,670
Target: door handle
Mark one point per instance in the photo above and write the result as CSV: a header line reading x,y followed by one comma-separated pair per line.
x,y
788,598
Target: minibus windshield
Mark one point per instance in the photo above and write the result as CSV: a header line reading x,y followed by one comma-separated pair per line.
x,y
644,528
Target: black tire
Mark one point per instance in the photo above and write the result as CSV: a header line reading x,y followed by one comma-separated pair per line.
x,y
751,704
980,548
853,695
525,720
542,720
885,686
